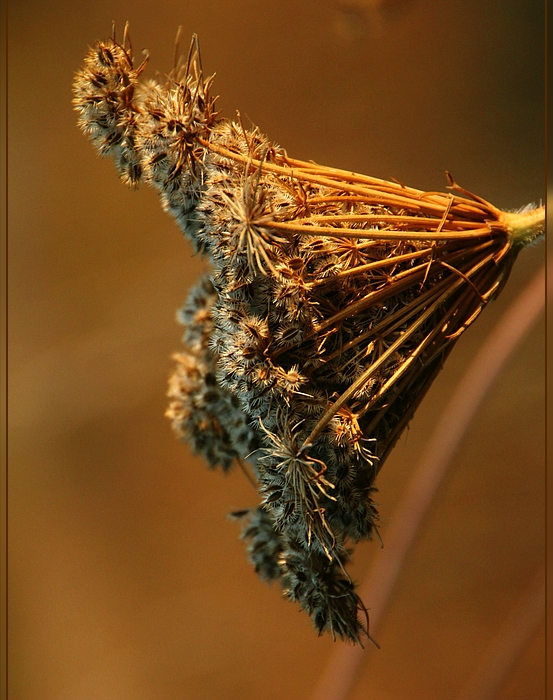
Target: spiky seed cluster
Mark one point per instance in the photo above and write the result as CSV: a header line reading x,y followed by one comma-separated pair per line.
x,y
333,302
203,412
107,93
264,544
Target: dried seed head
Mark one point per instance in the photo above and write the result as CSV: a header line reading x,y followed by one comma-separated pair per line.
x,y
106,98
334,300
264,545
202,412
322,590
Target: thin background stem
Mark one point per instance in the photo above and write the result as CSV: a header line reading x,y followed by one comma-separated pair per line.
x,y
513,637
339,677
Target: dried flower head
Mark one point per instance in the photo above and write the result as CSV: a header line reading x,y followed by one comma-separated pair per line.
x,y
333,302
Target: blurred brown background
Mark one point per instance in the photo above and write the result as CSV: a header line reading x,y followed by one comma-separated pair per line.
x,y
127,582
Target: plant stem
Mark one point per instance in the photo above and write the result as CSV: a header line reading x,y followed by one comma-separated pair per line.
x,y
524,226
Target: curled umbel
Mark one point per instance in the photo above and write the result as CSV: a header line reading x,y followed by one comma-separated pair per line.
x,y
332,303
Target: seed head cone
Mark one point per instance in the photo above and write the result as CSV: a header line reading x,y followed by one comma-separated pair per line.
x,y
333,301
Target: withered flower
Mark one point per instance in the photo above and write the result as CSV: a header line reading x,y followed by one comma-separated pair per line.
x,y
333,302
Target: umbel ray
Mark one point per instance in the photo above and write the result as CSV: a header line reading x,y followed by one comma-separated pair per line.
x,y
332,302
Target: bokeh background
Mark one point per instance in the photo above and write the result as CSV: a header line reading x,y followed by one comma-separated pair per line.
x,y
127,582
